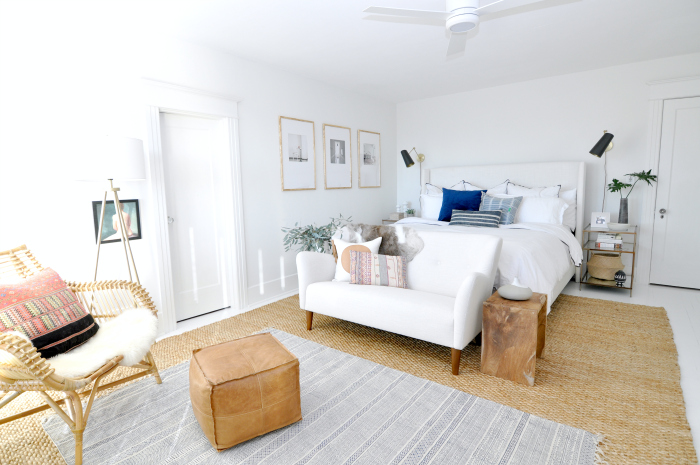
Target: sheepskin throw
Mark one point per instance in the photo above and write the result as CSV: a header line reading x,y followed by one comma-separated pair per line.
x,y
396,239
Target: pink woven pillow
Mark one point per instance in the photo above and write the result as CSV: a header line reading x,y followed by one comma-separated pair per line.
x,y
47,312
377,270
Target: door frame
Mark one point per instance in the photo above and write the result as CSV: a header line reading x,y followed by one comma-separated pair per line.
x,y
163,97
659,92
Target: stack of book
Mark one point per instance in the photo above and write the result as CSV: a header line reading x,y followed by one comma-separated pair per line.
x,y
609,241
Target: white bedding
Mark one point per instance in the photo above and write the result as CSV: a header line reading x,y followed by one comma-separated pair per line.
x,y
539,255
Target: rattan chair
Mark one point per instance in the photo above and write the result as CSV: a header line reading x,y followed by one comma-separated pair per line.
x,y
27,371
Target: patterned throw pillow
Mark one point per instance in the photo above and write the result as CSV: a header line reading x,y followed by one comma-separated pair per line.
x,y
507,205
480,219
377,270
47,312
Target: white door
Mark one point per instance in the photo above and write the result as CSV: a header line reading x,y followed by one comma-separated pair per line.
x,y
676,248
195,188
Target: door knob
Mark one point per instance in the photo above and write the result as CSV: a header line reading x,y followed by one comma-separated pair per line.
x,y
171,220
663,212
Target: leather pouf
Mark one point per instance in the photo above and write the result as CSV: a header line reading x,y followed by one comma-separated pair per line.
x,y
244,388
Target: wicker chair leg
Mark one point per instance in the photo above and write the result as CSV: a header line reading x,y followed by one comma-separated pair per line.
x,y
154,370
77,409
78,447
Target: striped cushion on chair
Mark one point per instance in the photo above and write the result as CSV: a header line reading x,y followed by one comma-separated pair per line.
x,y
482,219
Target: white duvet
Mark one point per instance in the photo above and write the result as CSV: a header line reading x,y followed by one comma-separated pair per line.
x,y
538,254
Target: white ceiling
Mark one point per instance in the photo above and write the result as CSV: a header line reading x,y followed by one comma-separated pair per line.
x,y
333,41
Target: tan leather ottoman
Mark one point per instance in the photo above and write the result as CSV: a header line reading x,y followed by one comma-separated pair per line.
x,y
244,388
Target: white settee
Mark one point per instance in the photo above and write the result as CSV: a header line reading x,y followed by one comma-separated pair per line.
x,y
448,281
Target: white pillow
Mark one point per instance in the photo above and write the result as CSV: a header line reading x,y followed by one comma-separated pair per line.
x,y
499,189
340,274
432,189
522,191
541,210
570,214
430,206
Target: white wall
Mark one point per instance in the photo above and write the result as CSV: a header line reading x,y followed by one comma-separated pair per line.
x,y
266,94
71,70
557,118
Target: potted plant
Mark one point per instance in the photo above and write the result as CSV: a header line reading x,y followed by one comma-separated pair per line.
x,y
312,238
410,212
618,186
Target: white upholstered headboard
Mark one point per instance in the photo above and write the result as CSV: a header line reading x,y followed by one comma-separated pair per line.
x,y
570,174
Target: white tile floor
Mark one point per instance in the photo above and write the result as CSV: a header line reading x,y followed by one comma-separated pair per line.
x,y
682,305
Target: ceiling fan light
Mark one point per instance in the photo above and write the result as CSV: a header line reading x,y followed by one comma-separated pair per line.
x,y
461,23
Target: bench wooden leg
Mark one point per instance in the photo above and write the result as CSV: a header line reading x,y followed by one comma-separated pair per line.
x,y
455,361
309,319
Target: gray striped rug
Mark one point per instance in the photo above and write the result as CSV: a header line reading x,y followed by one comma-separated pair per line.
x,y
355,412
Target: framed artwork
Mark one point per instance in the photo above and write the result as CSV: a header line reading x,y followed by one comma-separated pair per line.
x,y
110,225
337,157
600,220
298,154
369,158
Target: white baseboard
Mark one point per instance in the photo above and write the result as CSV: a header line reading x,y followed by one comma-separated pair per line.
x,y
271,291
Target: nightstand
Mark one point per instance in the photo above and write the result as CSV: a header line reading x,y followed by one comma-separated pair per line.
x,y
628,249
389,221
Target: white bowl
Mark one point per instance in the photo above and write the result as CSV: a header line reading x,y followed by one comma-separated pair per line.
x,y
618,226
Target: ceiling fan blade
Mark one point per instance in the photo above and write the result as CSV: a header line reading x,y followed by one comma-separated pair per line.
x,y
458,42
380,10
500,5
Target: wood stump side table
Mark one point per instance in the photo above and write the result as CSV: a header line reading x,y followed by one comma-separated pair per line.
x,y
513,337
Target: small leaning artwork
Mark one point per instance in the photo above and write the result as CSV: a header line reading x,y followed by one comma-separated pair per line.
x,y
110,224
369,158
337,157
297,153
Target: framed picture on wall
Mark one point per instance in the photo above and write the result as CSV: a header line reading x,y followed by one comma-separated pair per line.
x,y
337,157
298,154
369,158
110,225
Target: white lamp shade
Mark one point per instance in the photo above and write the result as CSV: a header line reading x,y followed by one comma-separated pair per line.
x,y
119,158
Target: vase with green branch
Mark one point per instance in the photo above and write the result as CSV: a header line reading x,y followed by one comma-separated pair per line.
x,y
619,186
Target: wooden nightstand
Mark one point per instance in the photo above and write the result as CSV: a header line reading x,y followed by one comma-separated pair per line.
x,y
389,221
513,337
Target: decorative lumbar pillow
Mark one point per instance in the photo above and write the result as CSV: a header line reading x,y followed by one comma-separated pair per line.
x,y
570,213
507,205
342,274
458,200
502,188
377,270
479,219
541,210
522,191
48,313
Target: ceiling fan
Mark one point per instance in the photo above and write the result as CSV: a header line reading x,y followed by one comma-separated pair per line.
x,y
461,16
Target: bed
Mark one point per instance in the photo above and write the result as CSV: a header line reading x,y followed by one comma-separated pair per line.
x,y
543,257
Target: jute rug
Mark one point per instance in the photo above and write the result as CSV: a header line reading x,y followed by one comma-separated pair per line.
x,y
354,412
610,368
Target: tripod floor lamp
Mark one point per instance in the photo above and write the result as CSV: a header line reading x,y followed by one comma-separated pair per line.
x,y
120,159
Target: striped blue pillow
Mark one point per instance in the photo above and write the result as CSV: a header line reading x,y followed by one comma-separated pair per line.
x,y
480,219
507,205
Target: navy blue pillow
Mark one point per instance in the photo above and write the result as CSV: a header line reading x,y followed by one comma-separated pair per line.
x,y
458,200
